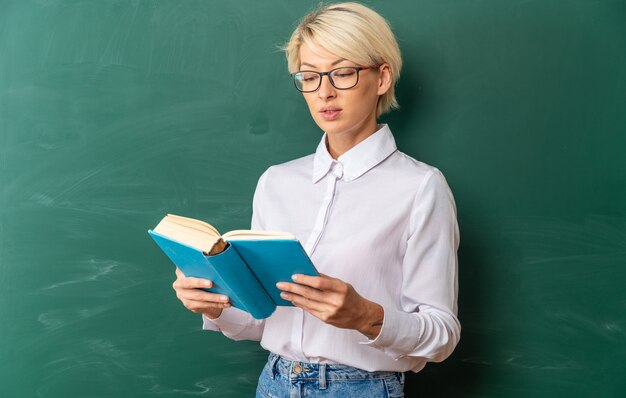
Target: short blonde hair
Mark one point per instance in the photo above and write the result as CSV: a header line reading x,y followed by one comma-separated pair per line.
x,y
354,32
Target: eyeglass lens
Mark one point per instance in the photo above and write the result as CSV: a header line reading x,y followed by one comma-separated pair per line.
x,y
341,78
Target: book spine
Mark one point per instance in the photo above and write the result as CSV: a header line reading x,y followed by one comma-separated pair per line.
x,y
193,263
248,293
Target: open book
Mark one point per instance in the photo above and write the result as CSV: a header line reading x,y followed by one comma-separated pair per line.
x,y
243,265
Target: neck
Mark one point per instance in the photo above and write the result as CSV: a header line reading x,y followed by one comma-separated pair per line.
x,y
338,144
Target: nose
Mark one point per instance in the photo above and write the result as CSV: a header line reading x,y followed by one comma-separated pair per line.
x,y
326,90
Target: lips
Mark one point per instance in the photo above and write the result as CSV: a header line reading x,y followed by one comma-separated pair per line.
x,y
330,112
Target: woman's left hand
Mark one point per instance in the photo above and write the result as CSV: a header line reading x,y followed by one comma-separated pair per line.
x,y
334,302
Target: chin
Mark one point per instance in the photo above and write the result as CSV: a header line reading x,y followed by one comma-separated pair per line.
x,y
330,127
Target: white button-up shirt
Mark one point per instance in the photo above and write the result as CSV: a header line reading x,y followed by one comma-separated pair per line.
x,y
381,221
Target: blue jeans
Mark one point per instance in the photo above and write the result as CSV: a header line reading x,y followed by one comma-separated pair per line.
x,y
292,379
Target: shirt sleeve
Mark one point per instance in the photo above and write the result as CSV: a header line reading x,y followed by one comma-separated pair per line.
x,y
232,322
426,326
235,324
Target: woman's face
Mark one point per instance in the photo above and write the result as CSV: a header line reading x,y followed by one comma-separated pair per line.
x,y
344,114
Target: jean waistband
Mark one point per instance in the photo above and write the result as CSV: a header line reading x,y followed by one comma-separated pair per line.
x,y
297,370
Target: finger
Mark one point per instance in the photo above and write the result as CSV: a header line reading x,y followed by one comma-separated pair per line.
x,y
301,290
201,295
192,283
322,282
303,302
200,306
323,311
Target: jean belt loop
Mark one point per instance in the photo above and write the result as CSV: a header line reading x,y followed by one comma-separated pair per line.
x,y
401,377
273,361
322,374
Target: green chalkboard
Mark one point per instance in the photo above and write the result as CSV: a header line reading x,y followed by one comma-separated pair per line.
x,y
113,113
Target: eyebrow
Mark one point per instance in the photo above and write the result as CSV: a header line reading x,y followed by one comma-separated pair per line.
x,y
332,64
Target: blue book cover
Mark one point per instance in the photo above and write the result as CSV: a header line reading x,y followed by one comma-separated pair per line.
x,y
274,260
247,271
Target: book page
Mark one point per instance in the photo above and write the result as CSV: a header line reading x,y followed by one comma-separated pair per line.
x,y
192,223
187,235
247,234
203,236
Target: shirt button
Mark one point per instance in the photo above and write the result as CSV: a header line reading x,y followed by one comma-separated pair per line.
x,y
297,369
337,169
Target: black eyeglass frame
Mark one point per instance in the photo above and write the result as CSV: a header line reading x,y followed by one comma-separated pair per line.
x,y
330,79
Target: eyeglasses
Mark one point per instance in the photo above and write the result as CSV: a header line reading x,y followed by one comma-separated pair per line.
x,y
342,78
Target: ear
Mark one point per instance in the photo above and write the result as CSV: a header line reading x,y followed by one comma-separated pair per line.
x,y
384,78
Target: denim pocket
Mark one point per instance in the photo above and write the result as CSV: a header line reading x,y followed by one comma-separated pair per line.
x,y
266,384
350,388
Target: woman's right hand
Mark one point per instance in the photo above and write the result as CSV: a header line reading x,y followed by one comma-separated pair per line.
x,y
196,300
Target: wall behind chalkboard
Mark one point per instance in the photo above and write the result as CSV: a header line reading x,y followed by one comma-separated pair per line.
x,y
113,113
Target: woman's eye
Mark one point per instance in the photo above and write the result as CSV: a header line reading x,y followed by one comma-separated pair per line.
x,y
344,74
309,78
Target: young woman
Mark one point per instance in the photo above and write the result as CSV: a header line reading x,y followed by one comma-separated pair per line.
x,y
379,225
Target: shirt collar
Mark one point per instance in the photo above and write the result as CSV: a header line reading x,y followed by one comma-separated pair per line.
x,y
358,160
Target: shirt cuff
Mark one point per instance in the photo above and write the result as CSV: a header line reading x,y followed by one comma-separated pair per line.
x,y
398,335
232,321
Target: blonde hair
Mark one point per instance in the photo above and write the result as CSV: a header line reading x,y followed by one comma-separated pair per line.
x,y
354,32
